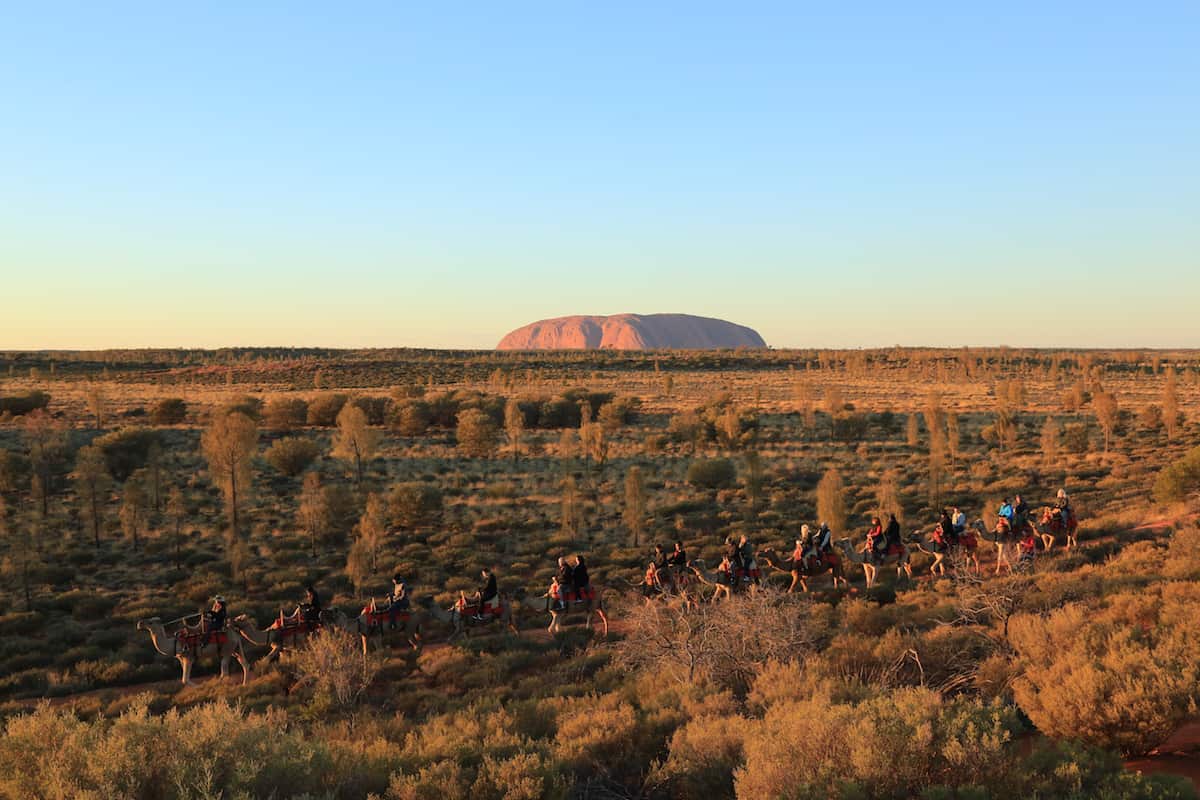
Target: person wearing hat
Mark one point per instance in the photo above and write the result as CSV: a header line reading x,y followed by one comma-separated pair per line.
x,y
214,620
399,601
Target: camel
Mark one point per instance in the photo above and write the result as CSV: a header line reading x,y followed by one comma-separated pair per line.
x,y
178,646
1050,525
278,637
1008,547
967,547
594,606
722,589
800,575
460,623
854,556
370,623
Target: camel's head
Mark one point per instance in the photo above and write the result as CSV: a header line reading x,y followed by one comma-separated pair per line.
x,y
144,624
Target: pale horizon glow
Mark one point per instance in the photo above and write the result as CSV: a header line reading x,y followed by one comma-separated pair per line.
x,y
277,175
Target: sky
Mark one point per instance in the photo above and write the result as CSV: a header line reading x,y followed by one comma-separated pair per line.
x,y
391,174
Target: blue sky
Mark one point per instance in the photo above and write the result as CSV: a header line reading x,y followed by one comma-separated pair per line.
x,y
388,175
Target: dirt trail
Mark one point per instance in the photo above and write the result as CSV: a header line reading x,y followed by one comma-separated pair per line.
x,y
1179,755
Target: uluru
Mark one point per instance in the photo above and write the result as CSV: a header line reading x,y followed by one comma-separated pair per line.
x,y
631,332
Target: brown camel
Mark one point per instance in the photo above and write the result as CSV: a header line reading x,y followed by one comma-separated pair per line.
x,y
278,636
1008,546
186,647
370,623
721,588
967,548
461,621
870,570
1051,525
801,575
594,607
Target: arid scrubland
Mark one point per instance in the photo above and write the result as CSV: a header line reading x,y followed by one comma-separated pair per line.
x,y
142,484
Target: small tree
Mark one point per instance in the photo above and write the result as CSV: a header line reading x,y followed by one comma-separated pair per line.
x,y
1107,411
176,513
313,512
687,427
1170,404
46,439
753,480
514,426
887,496
571,518
229,444
92,484
97,402
476,433
372,528
354,441
1051,433
134,504
831,500
802,395
912,433
953,438
634,513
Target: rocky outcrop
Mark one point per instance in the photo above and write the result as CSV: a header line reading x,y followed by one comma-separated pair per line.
x,y
631,332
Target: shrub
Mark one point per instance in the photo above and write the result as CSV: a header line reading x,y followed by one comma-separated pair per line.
x,y
1180,479
292,455
477,433
334,667
170,411
20,404
374,407
1075,438
285,413
1094,677
324,409
415,504
247,405
127,450
713,473
410,417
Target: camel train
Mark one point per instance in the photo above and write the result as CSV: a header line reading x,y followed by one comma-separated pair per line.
x,y
680,580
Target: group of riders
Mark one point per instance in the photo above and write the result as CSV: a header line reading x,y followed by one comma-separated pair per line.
x,y
668,571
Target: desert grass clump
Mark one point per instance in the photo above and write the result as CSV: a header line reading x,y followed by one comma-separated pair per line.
x,y
292,455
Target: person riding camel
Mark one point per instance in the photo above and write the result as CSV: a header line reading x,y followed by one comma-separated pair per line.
x,y
1003,529
799,557
309,609
1020,513
1062,505
891,535
485,597
726,572
959,519
1028,545
1006,511
734,554
566,580
875,543
824,540
651,585
399,601
749,563
581,584
947,526
213,620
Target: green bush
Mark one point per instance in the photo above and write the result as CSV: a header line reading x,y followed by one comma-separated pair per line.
x,y
1179,480
169,411
127,450
713,473
292,455
324,409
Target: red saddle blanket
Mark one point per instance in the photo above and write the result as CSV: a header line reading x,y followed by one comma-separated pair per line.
x,y
471,609
194,639
384,616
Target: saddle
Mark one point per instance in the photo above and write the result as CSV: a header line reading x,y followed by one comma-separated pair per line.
x,y
195,640
376,617
491,609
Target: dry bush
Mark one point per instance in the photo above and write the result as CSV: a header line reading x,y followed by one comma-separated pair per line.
x,y
285,413
477,433
702,756
334,667
712,473
1092,675
292,455
724,643
323,409
169,411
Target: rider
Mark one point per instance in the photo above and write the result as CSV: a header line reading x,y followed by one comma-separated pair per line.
x,y
678,557
1006,511
309,609
947,526
651,585
1020,513
749,564
580,581
892,534
1063,504
959,519
875,541
398,601
824,539
486,596
566,580
1028,545
214,619
734,555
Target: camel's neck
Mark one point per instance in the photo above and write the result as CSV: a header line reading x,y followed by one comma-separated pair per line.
x,y
251,633
158,634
